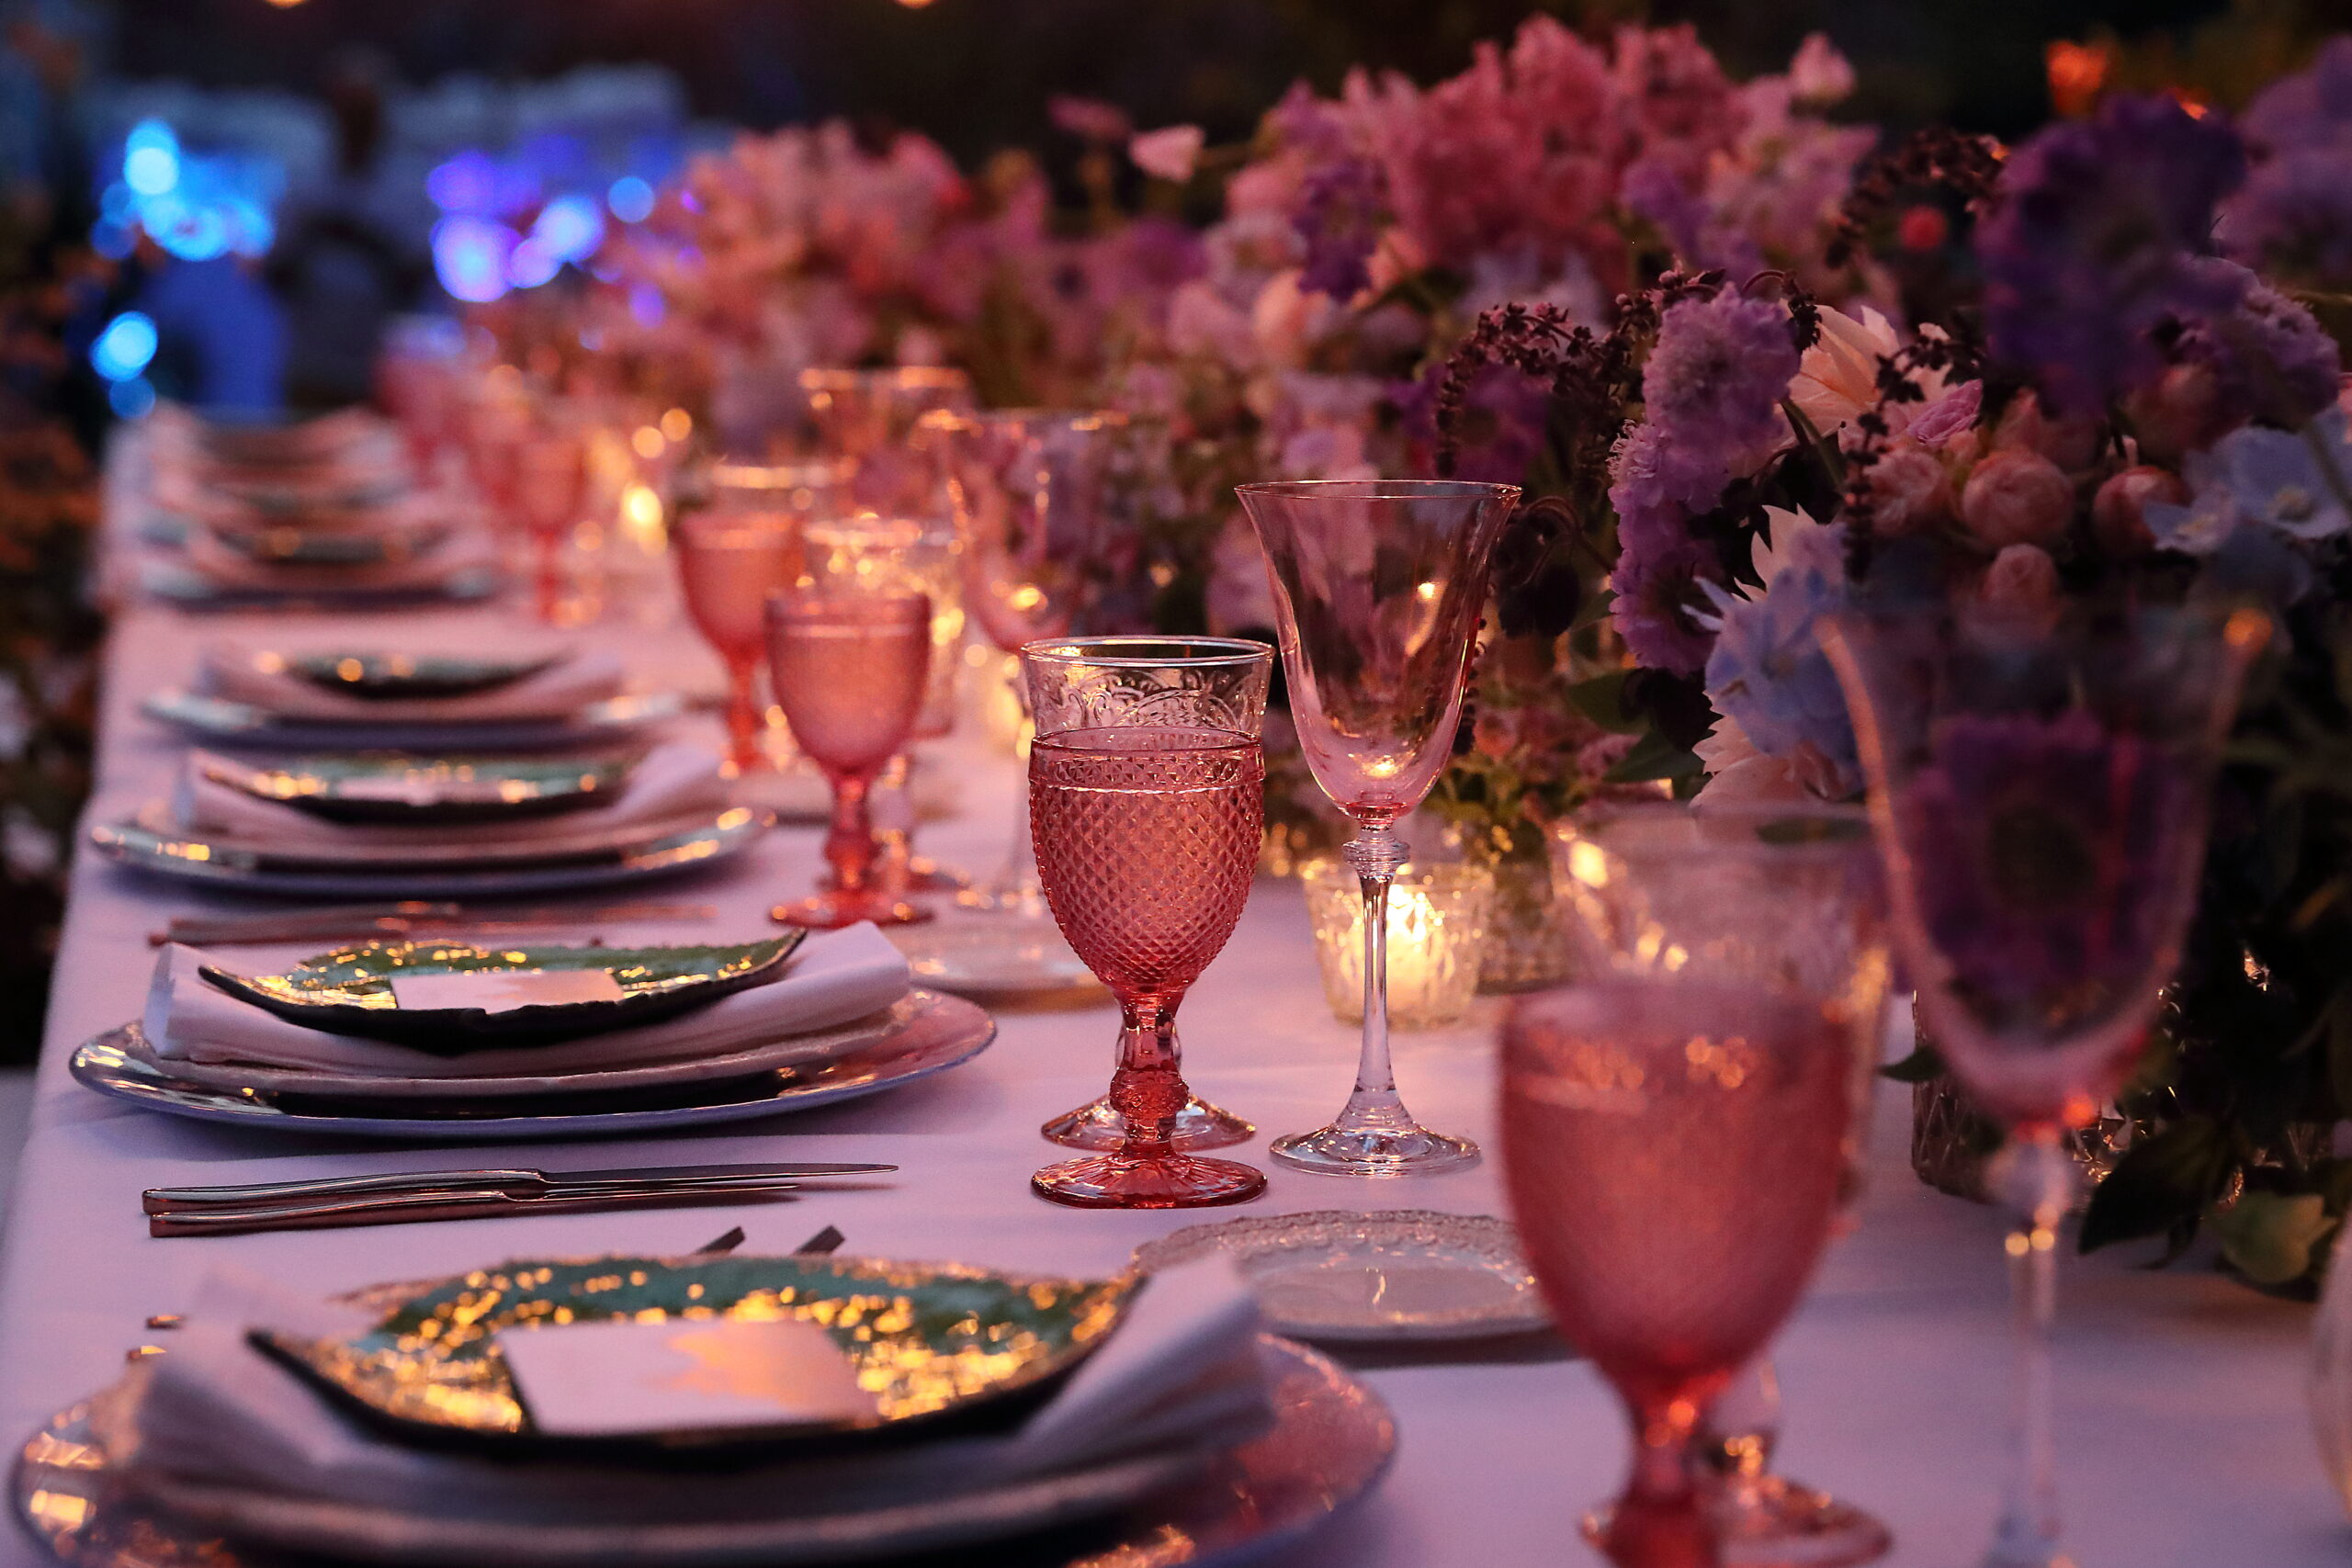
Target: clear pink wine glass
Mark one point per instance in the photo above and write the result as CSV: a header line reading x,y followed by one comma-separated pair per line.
x,y
744,544
1776,893
866,419
2040,801
849,671
1147,784
1378,586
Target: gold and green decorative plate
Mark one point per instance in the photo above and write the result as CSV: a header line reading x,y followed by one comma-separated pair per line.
x,y
349,991
390,789
408,676
929,1341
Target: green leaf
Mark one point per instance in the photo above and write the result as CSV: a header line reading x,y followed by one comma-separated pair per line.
x,y
1594,610
1603,700
2270,1236
2159,1181
1922,1065
1655,757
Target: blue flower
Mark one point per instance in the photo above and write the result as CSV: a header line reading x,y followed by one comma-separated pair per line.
x,y
2292,484
1768,671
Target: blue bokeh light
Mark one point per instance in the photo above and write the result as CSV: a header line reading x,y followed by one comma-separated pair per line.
x,y
134,399
151,158
570,227
125,348
470,257
630,198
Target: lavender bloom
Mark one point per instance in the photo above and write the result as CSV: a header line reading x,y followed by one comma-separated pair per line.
x,y
1659,590
1767,671
1342,210
2296,208
2270,356
1654,189
2101,235
1712,392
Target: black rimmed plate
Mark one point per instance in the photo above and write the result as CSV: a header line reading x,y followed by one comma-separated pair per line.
x,y
222,721
396,789
183,585
289,544
411,677
931,1034
350,990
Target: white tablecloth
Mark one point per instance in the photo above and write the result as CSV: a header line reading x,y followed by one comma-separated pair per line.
x,y
2183,1442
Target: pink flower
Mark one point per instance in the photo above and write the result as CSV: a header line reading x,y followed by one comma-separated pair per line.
x,y
2071,443
2017,497
2020,588
1949,419
1089,119
2181,413
1820,74
1909,490
2118,512
1169,153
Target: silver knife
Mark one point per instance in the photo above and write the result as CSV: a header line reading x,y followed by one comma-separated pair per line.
x,y
412,1208
520,1183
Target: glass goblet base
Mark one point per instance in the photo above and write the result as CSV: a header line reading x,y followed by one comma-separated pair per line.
x,y
926,875
1374,1151
1199,1125
1768,1522
836,908
1165,1181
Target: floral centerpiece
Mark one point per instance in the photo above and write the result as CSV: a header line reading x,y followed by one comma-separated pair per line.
x,y
2125,411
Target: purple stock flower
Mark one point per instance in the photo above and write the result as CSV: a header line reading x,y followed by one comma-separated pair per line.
x,y
1342,208
1654,189
2270,358
1711,394
1659,590
2101,233
2296,208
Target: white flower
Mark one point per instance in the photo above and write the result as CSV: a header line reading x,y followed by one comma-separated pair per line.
x,y
1837,378
1169,153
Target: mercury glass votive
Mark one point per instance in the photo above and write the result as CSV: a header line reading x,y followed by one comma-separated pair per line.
x,y
1438,918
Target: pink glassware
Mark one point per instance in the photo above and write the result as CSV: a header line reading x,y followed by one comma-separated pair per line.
x,y
849,671
1776,894
2040,802
744,545
866,419
1378,586
1148,801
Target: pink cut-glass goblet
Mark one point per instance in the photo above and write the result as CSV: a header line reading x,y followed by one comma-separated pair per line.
x,y
1147,784
849,671
746,544
1378,585
550,496
866,418
2040,799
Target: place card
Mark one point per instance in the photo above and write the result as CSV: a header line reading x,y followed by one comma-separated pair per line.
x,y
625,1377
502,990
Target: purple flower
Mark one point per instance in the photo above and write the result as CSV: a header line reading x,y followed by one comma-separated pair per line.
x,y
1712,392
2269,358
1342,210
1502,425
2101,234
2290,483
1660,590
2040,846
1654,189
2296,210
1952,415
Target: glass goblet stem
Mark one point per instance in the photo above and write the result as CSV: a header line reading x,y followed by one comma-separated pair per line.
x,y
546,577
1147,1089
1374,1105
849,842
1660,1522
744,719
2037,1177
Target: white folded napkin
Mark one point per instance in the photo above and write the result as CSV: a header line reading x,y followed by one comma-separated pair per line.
x,y
835,977
464,551
674,781
1180,1374
260,677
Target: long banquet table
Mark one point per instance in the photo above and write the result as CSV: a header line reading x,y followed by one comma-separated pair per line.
x,y
2184,1441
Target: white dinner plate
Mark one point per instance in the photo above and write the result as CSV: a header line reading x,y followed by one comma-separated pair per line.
x,y
1332,1442
183,585
222,722
1344,1277
932,1033
442,872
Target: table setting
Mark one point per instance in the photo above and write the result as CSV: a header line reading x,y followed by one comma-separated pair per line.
x,y
1644,809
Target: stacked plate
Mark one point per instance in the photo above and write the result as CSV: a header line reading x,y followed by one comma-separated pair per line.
x,y
709,1410
460,1044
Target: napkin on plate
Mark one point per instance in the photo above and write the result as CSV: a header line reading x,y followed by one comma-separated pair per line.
x,y
674,781
834,978
230,569
1180,1374
260,677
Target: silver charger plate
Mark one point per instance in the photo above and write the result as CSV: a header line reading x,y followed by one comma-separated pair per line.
x,y
1333,1442
800,1051
191,589
222,722
1346,1277
934,1033
446,874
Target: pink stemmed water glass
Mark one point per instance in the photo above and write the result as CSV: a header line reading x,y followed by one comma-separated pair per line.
x,y
849,671
1774,894
1378,586
2040,799
550,489
744,545
866,419
1147,784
